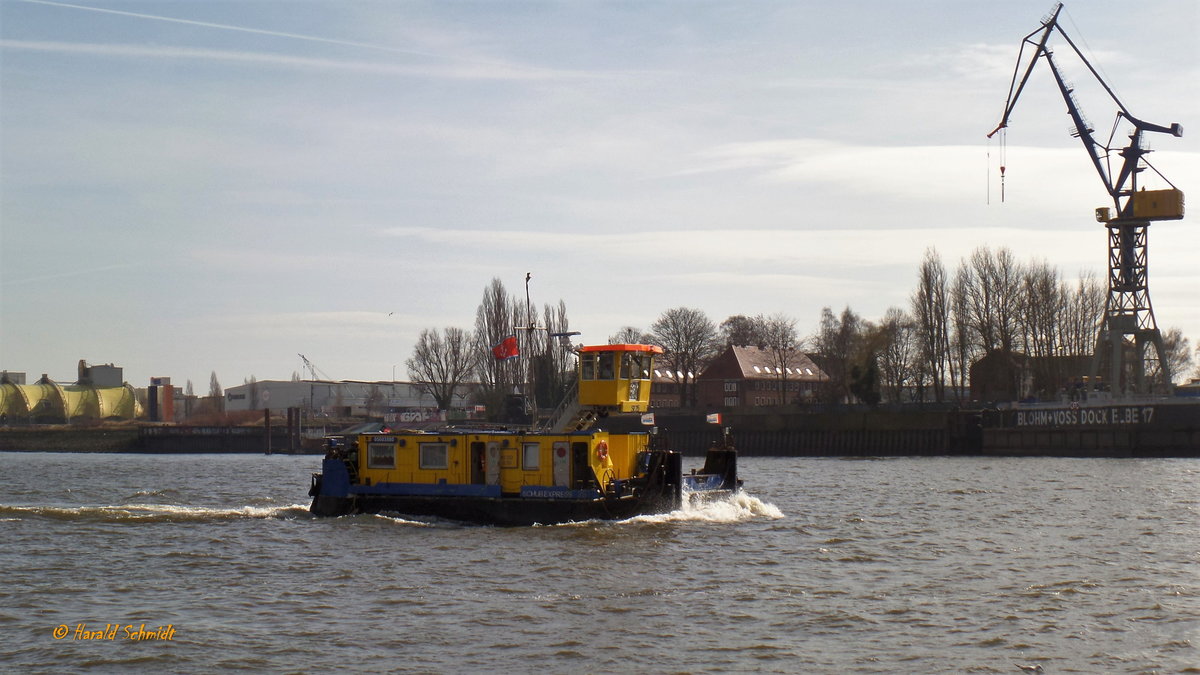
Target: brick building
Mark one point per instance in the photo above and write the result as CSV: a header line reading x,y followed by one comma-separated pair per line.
x,y
755,377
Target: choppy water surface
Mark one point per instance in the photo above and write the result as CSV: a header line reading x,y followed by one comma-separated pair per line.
x,y
848,566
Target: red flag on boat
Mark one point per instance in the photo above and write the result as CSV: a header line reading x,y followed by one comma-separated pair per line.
x,y
506,349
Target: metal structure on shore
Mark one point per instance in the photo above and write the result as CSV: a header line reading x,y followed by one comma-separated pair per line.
x,y
1130,355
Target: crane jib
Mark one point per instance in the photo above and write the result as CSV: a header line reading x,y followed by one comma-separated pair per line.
x,y
1121,184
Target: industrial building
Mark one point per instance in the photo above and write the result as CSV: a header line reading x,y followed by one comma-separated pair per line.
x,y
393,402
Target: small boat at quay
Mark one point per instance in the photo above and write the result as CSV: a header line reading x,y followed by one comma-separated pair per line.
x,y
566,471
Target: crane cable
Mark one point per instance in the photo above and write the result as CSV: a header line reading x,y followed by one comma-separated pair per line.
x,y
1003,159
1003,153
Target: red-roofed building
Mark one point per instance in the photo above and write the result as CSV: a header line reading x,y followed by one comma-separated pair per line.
x,y
757,377
664,384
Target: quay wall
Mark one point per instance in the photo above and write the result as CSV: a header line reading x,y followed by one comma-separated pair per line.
x,y
1118,430
829,434
68,439
145,439
1160,429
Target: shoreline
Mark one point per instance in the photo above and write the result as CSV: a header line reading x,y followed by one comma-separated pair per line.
x,y
1169,429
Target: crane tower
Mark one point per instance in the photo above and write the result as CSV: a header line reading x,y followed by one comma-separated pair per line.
x,y
1130,357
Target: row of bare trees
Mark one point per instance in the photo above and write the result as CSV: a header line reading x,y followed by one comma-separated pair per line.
x,y
443,360
690,340
991,303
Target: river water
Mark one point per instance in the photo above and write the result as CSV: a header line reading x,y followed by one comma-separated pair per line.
x,y
912,565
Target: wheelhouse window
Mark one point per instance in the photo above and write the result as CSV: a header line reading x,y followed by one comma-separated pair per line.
x,y
435,456
531,456
635,366
381,456
587,365
606,366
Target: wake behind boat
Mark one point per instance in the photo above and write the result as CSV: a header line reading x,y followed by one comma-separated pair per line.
x,y
569,471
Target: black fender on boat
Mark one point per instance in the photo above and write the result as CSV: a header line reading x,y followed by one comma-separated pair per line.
x,y
664,480
722,462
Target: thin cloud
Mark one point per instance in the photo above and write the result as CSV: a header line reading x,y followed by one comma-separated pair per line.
x,y
66,274
752,248
240,29
463,67
468,70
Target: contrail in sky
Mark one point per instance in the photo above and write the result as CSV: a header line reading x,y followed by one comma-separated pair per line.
x,y
63,275
257,31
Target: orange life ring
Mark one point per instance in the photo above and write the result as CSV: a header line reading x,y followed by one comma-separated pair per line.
x,y
602,451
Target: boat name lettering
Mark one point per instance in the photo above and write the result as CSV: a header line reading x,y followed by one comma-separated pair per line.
x,y
1111,416
546,493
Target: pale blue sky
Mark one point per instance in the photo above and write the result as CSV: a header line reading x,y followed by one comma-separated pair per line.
x,y
188,187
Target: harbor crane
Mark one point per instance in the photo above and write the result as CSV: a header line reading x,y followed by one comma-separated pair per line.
x,y
312,369
1130,355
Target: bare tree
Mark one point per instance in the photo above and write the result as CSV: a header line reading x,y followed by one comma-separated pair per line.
x,y
494,322
441,362
743,331
252,392
689,340
837,344
1006,279
216,396
1178,352
962,350
864,380
898,353
778,336
994,303
629,335
1042,308
931,316
991,288
1083,310
555,365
